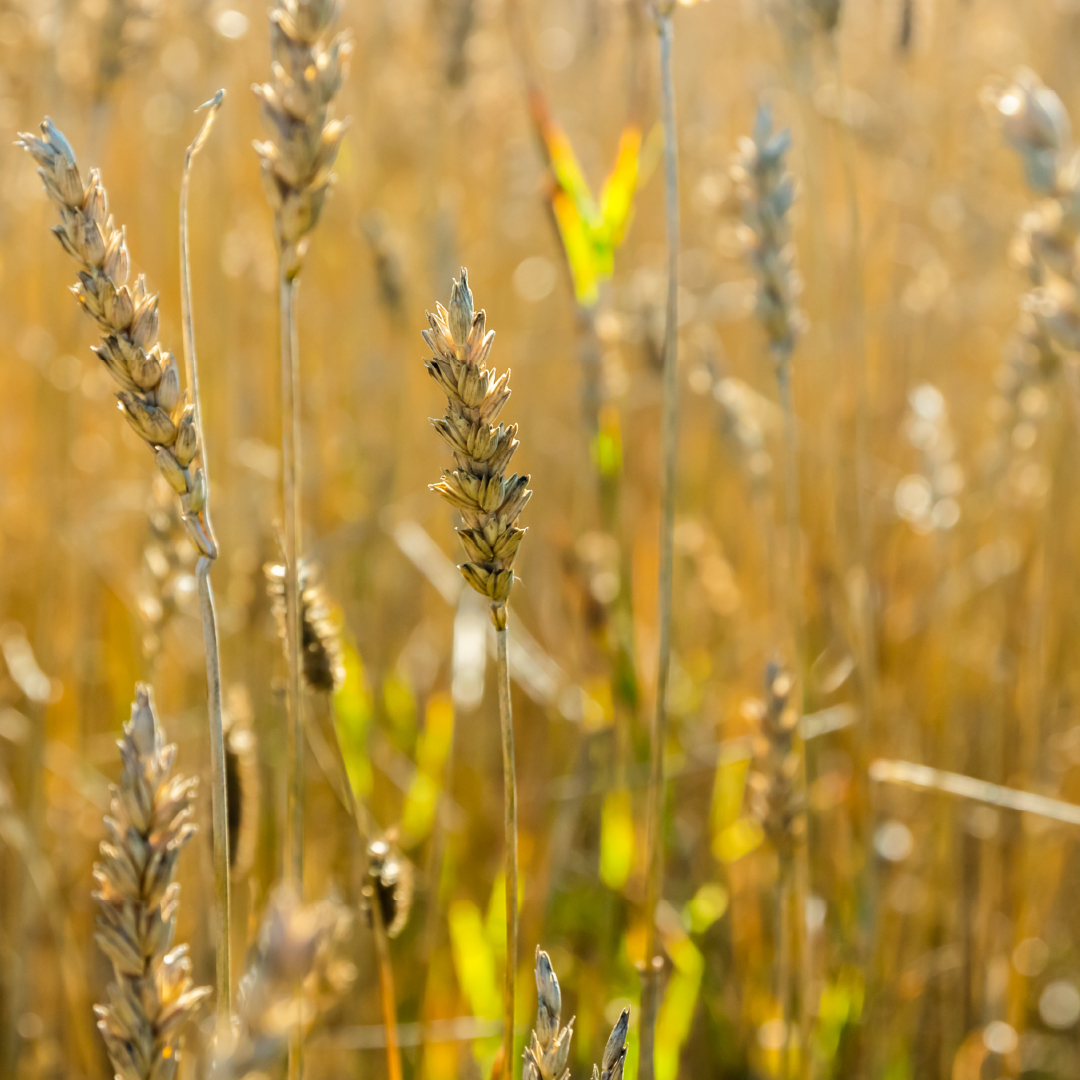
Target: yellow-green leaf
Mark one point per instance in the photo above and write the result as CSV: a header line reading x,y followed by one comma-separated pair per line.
x,y
616,839
352,718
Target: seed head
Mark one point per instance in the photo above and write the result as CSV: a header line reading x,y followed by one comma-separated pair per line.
x,y
766,191
321,653
489,502
776,796
548,1051
149,380
151,997
297,107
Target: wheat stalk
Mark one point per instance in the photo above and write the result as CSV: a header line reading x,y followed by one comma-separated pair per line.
x,y
766,192
662,11
151,997
306,74
490,504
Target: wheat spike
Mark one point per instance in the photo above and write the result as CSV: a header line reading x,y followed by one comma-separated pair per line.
x,y
776,799
298,945
765,192
323,666
489,502
149,378
611,1065
549,1048
151,997
1036,125
297,107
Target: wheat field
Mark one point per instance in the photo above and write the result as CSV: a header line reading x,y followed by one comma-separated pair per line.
x,y
734,629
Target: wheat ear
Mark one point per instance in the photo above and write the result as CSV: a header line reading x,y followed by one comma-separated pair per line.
x,y
1036,125
662,11
298,944
307,71
490,504
766,191
151,996
150,400
549,1048
149,379
614,1059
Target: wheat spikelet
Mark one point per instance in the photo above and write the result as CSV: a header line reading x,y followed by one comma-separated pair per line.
x,y
488,501
611,1065
297,109
765,191
298,944
776,798
323,667
151,997
149,378
548,1050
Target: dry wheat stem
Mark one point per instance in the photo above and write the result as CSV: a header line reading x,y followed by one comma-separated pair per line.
x,y
511,840
297,104
151,997
766,191
654,846
219,784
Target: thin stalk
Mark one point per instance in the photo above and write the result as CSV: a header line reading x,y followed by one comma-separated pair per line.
x,y
386,987
784,930
294,736
654,822
506,721
219,798
219,805
800,877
